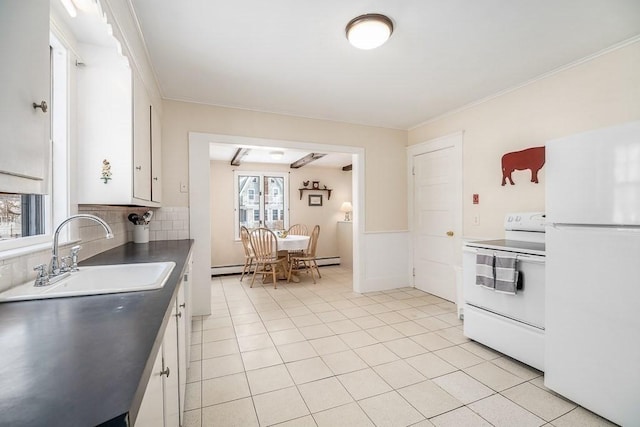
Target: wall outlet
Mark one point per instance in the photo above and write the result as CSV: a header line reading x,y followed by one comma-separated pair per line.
x,y
476,219
184,187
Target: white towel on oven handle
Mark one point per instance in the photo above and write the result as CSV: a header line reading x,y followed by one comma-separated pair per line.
x,y
506,273
485,273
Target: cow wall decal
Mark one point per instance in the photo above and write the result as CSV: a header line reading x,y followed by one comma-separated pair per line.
x,y
531,158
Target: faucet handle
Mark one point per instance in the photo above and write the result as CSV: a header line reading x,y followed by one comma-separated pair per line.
x,y
42,278
65,264
74,257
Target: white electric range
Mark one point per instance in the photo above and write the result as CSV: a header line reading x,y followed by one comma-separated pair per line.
x,y
511,324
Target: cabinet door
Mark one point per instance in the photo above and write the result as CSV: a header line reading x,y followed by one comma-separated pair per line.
x,y
24,79
156,156
151,413
171,380
141,140
182,347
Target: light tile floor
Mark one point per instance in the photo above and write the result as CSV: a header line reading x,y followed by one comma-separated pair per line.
x,y
322,355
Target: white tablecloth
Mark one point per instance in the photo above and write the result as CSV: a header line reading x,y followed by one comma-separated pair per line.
x,y
293,243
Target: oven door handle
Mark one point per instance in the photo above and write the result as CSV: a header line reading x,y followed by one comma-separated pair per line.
x,y
537,259
532,259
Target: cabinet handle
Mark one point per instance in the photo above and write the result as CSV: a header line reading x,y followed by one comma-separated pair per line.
x,y
166,372
42,105
449,233
179,314
183,305
155,178
138,168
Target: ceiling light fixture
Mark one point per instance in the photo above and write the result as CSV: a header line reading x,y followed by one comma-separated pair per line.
x,y
369,31
276,155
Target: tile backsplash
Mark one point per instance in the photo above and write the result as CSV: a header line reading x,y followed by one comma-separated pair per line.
x,y
167,224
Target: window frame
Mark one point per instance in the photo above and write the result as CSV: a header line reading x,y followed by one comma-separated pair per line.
x,y
262,175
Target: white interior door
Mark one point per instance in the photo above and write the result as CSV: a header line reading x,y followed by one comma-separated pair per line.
x,y
436,218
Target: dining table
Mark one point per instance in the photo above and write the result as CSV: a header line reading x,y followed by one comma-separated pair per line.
x,y
292,243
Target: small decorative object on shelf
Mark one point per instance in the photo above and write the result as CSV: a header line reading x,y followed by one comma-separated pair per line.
x,y
106,171
305,184
315,185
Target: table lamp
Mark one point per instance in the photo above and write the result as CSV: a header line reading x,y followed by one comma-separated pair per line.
x,y
347,209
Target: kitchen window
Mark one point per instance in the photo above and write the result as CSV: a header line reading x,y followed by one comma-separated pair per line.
x,y
261,193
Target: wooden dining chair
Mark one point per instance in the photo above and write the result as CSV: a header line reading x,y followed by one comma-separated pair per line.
x,y
248,251
307,260
298,230
265,252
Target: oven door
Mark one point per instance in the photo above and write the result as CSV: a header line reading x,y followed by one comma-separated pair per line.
x,y
526,306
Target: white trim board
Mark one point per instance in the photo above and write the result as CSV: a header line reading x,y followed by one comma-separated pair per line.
x,y
385,260
237,268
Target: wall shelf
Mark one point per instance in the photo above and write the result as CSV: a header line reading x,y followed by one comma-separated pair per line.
x,y
328,190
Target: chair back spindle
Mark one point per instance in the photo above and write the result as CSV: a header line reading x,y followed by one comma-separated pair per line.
x,y
298,230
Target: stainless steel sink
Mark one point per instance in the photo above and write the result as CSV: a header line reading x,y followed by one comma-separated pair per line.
x,y
96,280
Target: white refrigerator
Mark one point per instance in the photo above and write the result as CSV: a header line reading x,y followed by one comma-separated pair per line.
x,y
592,323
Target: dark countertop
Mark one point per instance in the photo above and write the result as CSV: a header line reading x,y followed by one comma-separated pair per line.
x,y
83,361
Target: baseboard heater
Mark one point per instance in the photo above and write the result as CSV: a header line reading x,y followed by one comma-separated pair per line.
x,y
237,269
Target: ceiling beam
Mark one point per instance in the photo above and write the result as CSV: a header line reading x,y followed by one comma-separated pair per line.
x,y
347,168
240,153
306,160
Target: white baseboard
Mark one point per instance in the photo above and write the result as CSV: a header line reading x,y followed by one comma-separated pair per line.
x,y
237,269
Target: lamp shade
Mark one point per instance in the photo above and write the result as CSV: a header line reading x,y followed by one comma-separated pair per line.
x,y
369,31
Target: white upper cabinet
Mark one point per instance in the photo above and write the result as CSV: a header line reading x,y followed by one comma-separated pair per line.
x,y
141,140
114,131
156,156
25,81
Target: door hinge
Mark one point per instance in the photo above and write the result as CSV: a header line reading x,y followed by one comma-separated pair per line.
x,y
413,170
414,272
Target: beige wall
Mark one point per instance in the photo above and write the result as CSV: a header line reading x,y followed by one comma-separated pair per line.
x,y
385,157
598,93
225,250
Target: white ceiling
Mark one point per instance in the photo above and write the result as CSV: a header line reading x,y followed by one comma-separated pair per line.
x,y
292,57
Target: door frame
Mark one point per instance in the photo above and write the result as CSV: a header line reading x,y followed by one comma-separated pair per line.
x,y
200,206
454,140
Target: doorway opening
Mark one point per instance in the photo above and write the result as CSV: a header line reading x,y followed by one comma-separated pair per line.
x,y
201,203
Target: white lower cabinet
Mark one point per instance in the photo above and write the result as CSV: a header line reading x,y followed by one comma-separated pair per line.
x,y
163,401
151,411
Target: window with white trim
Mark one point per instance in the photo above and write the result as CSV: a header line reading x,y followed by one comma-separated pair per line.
x,y
260,200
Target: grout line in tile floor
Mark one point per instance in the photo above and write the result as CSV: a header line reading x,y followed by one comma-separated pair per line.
x,y
322,355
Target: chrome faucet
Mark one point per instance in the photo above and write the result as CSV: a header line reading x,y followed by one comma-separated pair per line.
x,y
54,269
